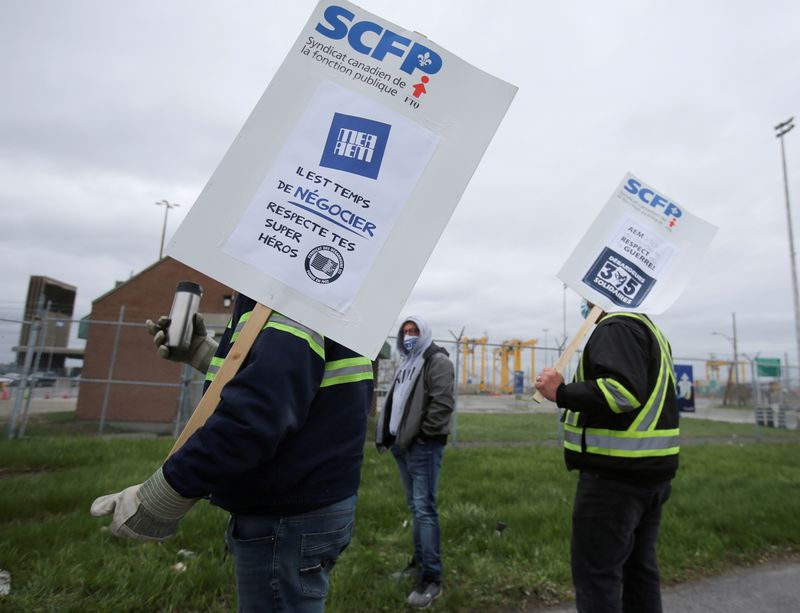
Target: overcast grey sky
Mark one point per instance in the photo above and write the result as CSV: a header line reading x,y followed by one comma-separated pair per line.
x,y
108,106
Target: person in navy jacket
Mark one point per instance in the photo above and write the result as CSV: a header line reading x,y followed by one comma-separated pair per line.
x,y
282,453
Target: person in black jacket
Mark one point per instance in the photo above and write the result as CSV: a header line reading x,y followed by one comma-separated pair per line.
x,y
621,433
414,424
282,453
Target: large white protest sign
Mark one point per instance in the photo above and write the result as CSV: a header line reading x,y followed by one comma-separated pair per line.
x,y
313,215
639,252
367,136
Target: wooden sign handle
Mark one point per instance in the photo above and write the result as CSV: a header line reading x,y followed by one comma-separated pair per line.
x,y
233,361
573,345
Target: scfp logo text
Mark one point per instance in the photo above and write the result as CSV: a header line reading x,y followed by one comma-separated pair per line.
x,y
650,197
369,38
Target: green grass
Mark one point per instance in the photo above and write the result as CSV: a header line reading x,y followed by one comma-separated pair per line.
x,y
59,424
471,428
700,428
540,428
506,427
732,503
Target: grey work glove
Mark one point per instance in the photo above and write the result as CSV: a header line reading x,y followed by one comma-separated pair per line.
x,y
149,511
201,348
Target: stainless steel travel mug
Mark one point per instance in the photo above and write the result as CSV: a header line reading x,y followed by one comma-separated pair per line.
x,y
184,306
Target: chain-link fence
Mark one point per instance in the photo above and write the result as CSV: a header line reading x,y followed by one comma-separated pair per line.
x,y
120,384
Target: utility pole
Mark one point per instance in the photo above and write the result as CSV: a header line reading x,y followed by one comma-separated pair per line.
x,y
735,345
454,422
780,131
735,359
733,375
167,206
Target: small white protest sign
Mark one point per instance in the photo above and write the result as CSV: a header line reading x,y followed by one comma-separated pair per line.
x,y
362,139
639,252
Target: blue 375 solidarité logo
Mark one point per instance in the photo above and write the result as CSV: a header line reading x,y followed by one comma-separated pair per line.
x,y
355,145
619,279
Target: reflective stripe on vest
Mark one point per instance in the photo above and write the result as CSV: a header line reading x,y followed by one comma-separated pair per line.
x,y
623,444
314,340
648,416
641,439
278,322
213,368
619,399
571,417
348,370
216,363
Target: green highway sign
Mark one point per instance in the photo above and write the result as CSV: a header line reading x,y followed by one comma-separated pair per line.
x,y
768,367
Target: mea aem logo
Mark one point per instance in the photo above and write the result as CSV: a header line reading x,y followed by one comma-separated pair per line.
x,y
355,145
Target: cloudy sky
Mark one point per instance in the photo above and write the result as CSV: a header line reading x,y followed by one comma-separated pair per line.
x,y
108,106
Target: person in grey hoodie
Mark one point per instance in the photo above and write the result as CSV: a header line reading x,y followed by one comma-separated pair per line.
x,y
414,424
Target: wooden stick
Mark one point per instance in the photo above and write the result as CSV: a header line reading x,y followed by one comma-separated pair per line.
x,y
572,347
233,361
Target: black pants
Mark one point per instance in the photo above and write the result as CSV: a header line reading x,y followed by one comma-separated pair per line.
x,y
614,533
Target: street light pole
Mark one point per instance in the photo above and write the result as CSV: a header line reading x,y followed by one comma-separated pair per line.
x,y
735,363
167,206
545,330
735,356
781,130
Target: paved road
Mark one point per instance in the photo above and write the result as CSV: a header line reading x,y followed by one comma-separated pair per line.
x,y
772,587
39,404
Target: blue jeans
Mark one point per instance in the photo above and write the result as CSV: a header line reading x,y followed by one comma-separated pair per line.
x,y
614,534
283,562
419,471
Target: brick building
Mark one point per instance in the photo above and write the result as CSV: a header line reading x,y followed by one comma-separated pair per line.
x,y
146,392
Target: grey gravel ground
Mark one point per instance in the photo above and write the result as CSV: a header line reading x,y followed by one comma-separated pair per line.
x,y
771,587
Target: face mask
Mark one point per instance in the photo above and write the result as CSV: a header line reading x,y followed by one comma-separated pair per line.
x,y
409,342
585,308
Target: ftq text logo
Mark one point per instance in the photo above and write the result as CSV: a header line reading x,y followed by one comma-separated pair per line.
x,y
355,145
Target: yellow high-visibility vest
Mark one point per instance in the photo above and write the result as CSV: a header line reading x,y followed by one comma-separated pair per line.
x,y
646,435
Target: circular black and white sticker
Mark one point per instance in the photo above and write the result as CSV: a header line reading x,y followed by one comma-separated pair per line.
x,y
324,264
